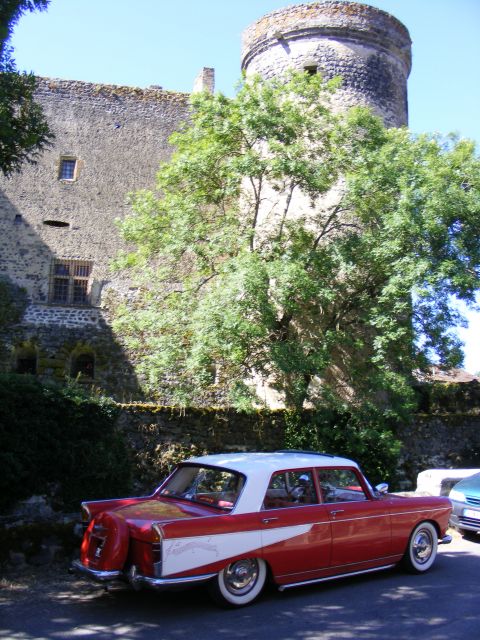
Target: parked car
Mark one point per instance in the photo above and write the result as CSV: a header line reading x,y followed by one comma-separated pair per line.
x,y
465,497
232,521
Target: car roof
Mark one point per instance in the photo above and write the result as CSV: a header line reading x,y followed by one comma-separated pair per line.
x,y
259,467
269,462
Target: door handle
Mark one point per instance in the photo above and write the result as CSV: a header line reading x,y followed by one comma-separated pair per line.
x,y
268,520
335,511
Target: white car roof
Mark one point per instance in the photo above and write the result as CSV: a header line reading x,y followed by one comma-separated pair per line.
x,y
258,469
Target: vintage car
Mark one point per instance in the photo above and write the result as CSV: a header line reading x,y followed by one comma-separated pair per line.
x,y
233,521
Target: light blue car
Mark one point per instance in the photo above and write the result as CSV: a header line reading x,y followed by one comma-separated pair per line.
x,y
465,498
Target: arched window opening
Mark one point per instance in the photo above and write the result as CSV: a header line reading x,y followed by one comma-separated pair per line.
x,y
26,360
83,366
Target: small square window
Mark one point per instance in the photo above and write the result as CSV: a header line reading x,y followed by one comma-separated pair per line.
x,y
67,168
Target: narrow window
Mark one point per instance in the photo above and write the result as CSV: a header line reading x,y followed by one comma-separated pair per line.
x,y
83,366
56,223
68,168
70,282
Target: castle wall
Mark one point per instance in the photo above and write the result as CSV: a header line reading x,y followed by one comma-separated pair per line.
x,y
117,137
57,217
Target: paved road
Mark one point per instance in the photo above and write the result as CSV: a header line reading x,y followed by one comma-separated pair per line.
x,y
441,605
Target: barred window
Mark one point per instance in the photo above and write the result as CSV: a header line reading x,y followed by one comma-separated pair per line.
x,y
70,282
67,169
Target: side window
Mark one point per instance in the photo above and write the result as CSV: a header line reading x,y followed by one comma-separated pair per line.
x,y
290,489
340,485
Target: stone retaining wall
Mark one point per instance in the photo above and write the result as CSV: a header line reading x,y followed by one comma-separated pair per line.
x,y
436,440
160,436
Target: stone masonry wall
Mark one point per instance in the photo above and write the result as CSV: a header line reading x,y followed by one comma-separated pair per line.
x,y
118,137
444,439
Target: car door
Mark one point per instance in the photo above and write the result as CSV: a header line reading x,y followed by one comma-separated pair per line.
x,y
295,527
360,524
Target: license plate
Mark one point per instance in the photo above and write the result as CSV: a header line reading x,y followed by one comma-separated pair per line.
x,y
470,513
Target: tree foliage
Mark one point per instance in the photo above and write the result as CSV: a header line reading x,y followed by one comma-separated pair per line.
x,y
24,132
288,243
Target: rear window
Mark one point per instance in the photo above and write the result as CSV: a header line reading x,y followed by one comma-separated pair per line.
x,y
212,486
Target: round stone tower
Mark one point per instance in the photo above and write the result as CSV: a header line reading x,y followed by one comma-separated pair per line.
x,y
367,47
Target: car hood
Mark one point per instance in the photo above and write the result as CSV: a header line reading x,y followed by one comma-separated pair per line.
x,y
469,485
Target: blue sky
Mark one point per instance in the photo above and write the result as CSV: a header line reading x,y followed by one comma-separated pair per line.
x,y
166,43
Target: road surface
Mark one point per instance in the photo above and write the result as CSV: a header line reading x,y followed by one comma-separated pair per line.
x,y
444,604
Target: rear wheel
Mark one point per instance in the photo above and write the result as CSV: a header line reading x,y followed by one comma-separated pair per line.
x,y
422,548
240,583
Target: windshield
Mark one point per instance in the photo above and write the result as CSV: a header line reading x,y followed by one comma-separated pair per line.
x,y
208,485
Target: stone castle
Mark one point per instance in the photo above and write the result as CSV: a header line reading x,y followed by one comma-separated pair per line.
x,y
57,217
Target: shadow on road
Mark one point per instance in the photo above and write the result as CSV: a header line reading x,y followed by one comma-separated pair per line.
x,y
441,605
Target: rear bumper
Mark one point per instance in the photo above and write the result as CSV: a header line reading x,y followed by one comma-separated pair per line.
x,y
136,580
93,574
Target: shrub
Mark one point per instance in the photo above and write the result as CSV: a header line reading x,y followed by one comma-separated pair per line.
x,y
58,441
366,437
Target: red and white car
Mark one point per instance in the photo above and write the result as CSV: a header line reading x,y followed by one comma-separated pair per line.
x,y
235,520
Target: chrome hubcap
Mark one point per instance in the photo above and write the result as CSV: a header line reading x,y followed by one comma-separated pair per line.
x,y
241,576
422,546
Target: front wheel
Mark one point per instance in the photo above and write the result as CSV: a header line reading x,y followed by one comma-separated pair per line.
x,y
240,583
422,548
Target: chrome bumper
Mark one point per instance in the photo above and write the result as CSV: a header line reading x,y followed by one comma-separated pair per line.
x,y
136,580
93,574
445,540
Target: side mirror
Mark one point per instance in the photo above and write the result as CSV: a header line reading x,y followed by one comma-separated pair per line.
x,y
381,489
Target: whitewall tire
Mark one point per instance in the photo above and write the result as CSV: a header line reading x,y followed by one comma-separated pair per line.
x,y
422,548
240,583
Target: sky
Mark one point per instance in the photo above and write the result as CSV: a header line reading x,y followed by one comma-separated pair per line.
x,y
164,42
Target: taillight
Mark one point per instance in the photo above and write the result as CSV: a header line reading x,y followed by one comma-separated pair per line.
x,y
157,536
86,516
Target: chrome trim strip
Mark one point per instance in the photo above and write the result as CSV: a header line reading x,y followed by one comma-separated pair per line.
x,y
419,510
138,581
283,587
94,574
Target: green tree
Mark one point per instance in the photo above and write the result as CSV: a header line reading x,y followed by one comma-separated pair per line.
x,y
24,132
289,243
